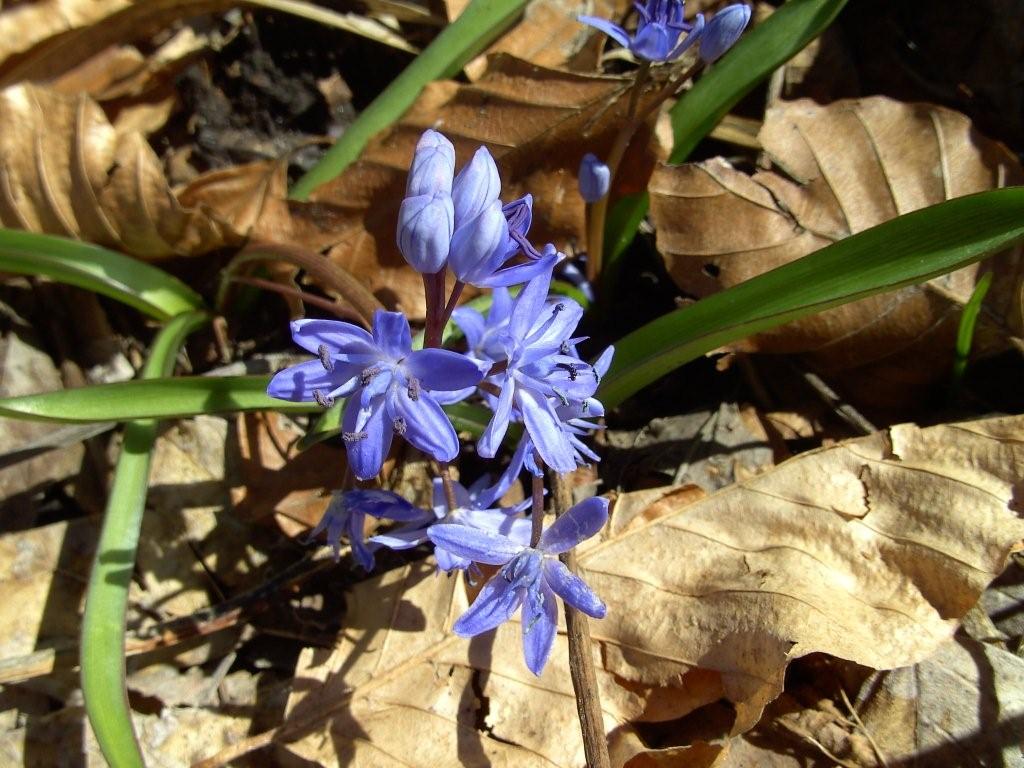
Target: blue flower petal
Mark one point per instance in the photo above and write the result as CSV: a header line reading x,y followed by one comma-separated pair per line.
x,y
444,370
540,624
494,605
472,324
545,429
391,334
475,544
579,523
477,247
490,441
366,447
476,187
572,589
422,422
614,31
425,226
528,306
298,382
341,339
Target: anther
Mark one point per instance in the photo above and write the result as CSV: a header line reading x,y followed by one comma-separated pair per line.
x,y
414,389
322,400
564,348
325,358
557,308
353,437
570,368
399,426
367,375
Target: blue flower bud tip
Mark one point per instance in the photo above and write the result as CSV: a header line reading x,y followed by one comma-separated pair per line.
x,y
722,32
594,178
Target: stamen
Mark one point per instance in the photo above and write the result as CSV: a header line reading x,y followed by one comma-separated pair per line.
x,y
561,396
325,358
414,389
564,348
367,375
570,368
353,437
322,400
399,426
557,308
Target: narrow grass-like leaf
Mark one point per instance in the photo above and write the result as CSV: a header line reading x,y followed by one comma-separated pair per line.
x,y
474,30
965,331
166,398
106,604
758,53
908,249
137,284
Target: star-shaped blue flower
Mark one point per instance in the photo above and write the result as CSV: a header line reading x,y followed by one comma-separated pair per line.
x,y
529,577
388,385
661,34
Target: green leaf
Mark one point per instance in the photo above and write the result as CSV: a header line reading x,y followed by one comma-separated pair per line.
x,y
758,53
908,249
164,398
965,331
103,624
480,23
137,284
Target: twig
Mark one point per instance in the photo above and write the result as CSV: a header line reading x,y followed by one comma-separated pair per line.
x,y
581,654
864,729
537,510
269,285
843,410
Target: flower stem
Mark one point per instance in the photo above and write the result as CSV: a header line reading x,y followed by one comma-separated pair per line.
x,y
599,211
581,658
450,306
537,512
446,482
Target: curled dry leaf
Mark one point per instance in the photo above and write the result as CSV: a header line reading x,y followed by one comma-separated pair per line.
x,y
65,170
850,165
536,122
869,551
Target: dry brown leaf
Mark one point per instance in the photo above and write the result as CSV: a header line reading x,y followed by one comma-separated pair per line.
x,y
65,170
536,122
399,689
853,164
870,551
963,706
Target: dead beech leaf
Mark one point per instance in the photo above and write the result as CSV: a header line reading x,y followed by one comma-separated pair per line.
x,y
850,165
871,551
536,122
65,170
399,689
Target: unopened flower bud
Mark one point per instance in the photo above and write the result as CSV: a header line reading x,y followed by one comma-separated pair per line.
x,y
433,166
476,187
722,32
478,246
425,225
594,178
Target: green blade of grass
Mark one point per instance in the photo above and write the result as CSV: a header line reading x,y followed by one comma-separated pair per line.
x,y
165,398
474,30
103,624
137,284
965,330
758,53
909,249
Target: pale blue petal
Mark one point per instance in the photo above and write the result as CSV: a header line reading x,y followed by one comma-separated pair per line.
x,y
298,382
391,333
573,589
476,187
545,429
494,432
422,422
339,337
479,546
695,34
614,31
528,306
494,605
432,167
476,247
579,523
520,273
366,452
455,396
444,370
425,231
540,625
471,323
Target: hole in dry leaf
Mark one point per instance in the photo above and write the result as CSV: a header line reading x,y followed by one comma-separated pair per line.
x,y
711,270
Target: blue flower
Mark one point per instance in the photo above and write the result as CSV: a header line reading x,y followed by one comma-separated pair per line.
x,y
475,507
594,178
658,32
388,385
488,234
723,31
540,369
529,577
483,334
426,217
346,515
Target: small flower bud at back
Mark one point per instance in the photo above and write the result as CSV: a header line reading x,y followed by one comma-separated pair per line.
x,y
722,32
433,166
594,177
476,187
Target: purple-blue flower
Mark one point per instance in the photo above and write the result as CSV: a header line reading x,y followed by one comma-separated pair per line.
x,y
529,577
658,31
723,31
426,217
388,385
346,516
594,178
541,370
475,507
